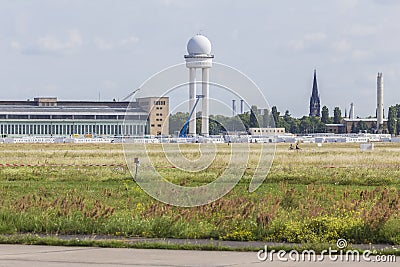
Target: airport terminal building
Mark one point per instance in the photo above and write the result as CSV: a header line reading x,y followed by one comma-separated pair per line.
x,y
46,116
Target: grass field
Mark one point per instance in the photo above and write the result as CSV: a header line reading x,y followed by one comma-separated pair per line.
x,y
315,195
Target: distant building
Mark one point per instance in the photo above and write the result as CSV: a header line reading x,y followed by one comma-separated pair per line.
x,y
315,105
158,110
346,125
336,128
266,131
51,117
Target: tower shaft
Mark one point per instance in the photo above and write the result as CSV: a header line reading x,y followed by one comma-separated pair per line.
x,y
192,100
205,103
379,108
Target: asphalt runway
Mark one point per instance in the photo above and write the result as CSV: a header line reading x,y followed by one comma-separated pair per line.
x,y
45,256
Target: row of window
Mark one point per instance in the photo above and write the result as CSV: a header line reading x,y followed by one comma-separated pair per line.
x,y
269,131
68,129
73,117
159,102
47,104
153,125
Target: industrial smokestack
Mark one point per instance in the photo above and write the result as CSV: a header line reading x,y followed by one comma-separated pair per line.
x,y
351,114
233,107
379,108
241,106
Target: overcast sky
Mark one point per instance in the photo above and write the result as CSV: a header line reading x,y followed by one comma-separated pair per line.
x,y
76,49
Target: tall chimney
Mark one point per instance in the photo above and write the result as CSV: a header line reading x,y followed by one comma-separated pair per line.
x,y
379,108
241,106
233,107
351,114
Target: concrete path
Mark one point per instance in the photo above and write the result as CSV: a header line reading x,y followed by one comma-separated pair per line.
x,y
45,256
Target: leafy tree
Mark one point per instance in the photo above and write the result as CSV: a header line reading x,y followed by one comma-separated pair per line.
x,y
267,119
287,117
354,128
305,125
325,115
373,127
253,123
286,121
198,122
392,120
398,110
275,115
362,126
398,127
216,125
176,121
245,119
294,126
316,125
337,115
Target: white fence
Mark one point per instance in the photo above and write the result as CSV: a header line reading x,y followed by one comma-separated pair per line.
x,y
350,138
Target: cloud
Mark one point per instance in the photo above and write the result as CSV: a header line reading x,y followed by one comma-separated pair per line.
x,y
128,41
341,46
109,85
347,4
177,3
49,44
16,45
307,42
387,2
314,37
102,44
296,45
360,55
362,30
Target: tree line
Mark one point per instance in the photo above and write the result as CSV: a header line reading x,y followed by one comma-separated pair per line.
x,y
394,119
256,118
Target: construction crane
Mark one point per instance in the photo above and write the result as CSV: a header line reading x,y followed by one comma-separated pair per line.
x,y
182,133
131,94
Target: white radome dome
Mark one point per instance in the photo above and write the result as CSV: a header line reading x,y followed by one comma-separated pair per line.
x,y
199,45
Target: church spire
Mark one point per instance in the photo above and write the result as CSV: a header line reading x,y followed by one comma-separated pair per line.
x,y
315,106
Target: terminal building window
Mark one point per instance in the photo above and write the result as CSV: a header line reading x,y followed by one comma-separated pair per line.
x,y
61,117
40,117
84,117
12,116
106,117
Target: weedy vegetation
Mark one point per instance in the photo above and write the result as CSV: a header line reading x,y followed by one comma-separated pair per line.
x,y
316,195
